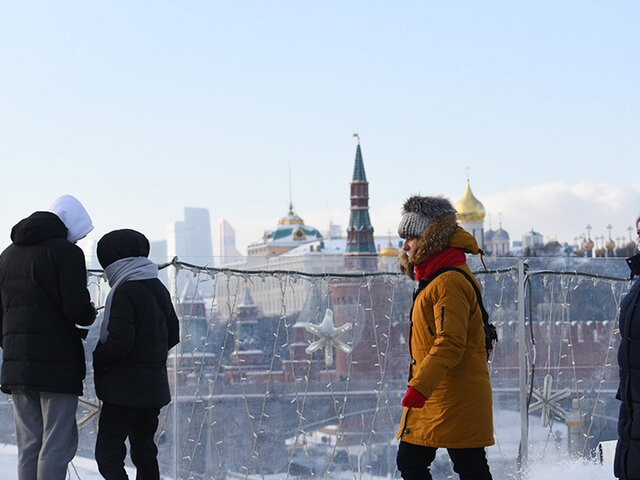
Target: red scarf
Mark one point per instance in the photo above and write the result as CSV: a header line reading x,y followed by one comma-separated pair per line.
x,y
449,257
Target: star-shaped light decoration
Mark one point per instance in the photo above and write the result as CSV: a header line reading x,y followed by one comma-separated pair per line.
x,y
547,402
328,333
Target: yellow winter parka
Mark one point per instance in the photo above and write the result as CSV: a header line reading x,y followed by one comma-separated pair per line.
x,y
448,358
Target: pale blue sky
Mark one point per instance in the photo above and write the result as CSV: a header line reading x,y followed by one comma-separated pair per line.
x,y
142,108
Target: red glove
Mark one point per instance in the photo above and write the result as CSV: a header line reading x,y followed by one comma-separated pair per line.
x,y
413,399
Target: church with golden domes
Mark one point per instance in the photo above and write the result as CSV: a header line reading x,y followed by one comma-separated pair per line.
x,y
471,214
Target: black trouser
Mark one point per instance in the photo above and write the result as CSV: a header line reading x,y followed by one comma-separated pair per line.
x,y
115,425
413,462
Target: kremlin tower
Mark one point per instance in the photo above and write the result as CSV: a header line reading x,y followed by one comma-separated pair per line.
x,y
365,304
361,252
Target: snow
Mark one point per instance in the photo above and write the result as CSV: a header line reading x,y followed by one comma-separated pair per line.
x,y
569,470
548,456
81,468
85,469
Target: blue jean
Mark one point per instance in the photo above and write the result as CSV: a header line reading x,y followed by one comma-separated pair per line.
x,y
413,462
46,433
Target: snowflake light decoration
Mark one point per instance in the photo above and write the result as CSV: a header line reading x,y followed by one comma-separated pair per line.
x,y
328,333
547,402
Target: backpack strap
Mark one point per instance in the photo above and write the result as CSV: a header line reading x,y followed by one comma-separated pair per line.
x,y
489,329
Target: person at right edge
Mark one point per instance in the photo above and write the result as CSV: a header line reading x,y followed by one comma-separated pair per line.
x,y
448,403
626,465
138,329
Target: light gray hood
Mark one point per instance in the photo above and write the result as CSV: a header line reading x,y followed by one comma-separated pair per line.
x,y
74,216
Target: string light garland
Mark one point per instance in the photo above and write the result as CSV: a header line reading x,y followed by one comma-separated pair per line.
x,y
332,425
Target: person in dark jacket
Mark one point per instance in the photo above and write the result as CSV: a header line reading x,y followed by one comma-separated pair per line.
x,y
138,329
627,458
43,298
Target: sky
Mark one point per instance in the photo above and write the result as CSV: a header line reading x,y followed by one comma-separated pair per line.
x,y
141,108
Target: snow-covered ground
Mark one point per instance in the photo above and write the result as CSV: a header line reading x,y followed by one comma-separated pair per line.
x,y
569,470
85,469
80,469
548,457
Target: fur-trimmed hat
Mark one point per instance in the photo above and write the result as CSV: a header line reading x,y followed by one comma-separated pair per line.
x,y
418,213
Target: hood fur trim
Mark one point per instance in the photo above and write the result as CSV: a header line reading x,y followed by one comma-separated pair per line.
x,y
436,237
442,233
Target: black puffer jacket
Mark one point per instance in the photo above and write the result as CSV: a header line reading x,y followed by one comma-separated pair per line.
x,y
43,295
130,367
627,459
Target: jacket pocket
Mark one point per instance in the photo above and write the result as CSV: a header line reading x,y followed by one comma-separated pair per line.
x,y
442,318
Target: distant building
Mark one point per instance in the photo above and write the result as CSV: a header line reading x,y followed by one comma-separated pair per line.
x,y
334,231
471,213
248,361
294,246
361,252
89,247
497,242
158,254
190,241
228,251
98,290
192,312
289,234
532,240
291,246
388,259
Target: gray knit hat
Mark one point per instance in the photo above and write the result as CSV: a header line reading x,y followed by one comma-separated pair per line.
x,y
418,213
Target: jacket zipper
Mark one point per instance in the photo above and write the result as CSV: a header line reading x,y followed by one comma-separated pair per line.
x,y
442,318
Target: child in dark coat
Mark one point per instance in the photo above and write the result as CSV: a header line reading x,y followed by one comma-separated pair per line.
x,y
138,329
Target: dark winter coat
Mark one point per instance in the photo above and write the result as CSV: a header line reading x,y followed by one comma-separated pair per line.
x,y
627,459
130,368
43,295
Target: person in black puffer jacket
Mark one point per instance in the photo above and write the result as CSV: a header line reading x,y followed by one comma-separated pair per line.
x,y
43,297
627,459
138,329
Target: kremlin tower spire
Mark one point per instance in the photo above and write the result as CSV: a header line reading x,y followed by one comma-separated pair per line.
x,y
361,250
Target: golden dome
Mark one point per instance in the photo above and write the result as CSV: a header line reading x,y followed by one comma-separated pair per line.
x,y
610,244
469,208
389,251
291,218
588,244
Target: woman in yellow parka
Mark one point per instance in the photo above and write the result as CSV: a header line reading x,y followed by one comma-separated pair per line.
x,y
448,402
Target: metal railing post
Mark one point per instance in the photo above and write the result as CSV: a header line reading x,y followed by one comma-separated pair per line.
x,y
176,469
522,368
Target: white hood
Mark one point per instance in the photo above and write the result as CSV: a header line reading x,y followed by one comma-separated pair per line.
x,y
69,209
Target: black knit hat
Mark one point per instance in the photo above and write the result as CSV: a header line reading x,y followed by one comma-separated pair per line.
x,y
418,213
121,244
